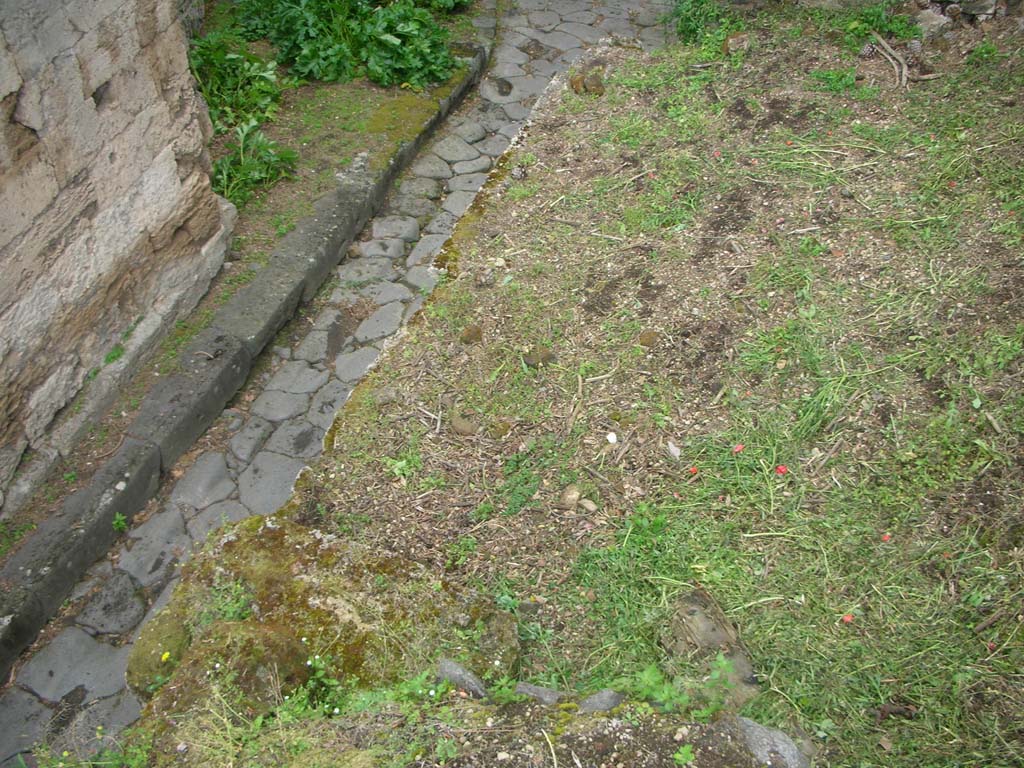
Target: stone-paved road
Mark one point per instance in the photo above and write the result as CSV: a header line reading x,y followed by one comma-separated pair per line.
x,y
77,681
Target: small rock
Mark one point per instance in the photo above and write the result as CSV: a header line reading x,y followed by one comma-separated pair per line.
x,y
463,426
471,334
499,429
602,701
588,505
538,356
460,677
546,696
570,497
648,338
932,24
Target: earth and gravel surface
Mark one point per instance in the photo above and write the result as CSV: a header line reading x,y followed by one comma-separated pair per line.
x,y
714,328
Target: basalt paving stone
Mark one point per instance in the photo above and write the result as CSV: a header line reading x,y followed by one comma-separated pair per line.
x,y
453,149
546,20
351,366
250,438
421,187
417,207
385,293
267,483
326,404
280,406
469,182
580,17
314,346
115,609
384,322
213,517
413,307
426,249
97,726
431,167
516,114
156,547
482,164
584,32
493,146
389,248
442,224
508,69
361,270
508,54
470,131
457,203
297,438
73,659
422,278
23,721
297,377
401,227
94,577
206,482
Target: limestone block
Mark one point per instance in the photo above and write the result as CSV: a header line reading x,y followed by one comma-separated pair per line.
x,y
52,396
73,145
10,79
86,15
37,33
24,194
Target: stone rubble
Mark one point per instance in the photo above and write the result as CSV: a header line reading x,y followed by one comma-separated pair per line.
x,y
294,405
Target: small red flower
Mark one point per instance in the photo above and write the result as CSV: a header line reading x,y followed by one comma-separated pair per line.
x,y
694,470
952,184
886,536
789,143
738,448
847,618
717,153
991,646
782,469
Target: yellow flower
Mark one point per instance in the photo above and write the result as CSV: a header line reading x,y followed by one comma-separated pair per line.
x,y
166,656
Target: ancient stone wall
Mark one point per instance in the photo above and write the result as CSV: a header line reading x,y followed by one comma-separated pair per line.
x,y
109,230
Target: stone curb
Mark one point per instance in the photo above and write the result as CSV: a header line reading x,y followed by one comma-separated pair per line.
x,y
37,579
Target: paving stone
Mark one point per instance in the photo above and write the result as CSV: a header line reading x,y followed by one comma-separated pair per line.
x,y
314,346
384,322
560,41
389,248
431,167
297,438
421,187
328,316
279,406
213,517
385,293
413,307
572,55
115,609
206,482
584,32
96,575
267,483
457,203
114,713
470,131
442,224
546,20
352,366
529,86
453,149
157,545
362,270
416,207
580,17
494,145
250,438
508,69
548,69
515,20
283,352
481,164
297,377
515,112
326,404
513,34
73,659
617,27
421,278
506,53
499,90
23,721
401,227
426,249
652,38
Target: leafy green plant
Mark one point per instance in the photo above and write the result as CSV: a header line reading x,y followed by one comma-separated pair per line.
x,y
858,25
254,161
401,44
236,85
120,523
652,685
684,755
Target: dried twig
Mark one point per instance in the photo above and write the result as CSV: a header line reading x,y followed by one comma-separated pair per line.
x,y
901,72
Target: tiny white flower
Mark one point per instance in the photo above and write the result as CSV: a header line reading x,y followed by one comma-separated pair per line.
x,y
336,710
497,662
309,662
217,665
305,640
431,692
613,438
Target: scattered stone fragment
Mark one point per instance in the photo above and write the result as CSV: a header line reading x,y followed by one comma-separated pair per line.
x,y
157,545
499,429
546,696
538,356
588,505
602,701
570,497
463,426
250,439
267,483
351,366
460,677
73,659
384,322
297,377
471,334
206,482
396,227
213,517
296,438
648,338
387,248
279,406
115,609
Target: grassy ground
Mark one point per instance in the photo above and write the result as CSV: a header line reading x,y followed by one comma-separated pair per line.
x,y
748,325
